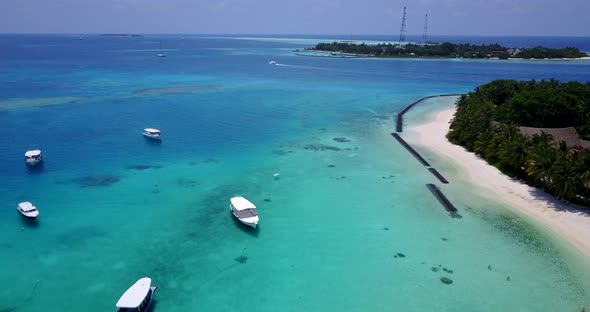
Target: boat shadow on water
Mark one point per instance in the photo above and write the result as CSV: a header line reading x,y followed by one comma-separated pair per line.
x,y
27,223
36,169
254,232
152,141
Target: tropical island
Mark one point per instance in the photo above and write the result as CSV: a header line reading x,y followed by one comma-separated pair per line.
x,y
446,50
533,131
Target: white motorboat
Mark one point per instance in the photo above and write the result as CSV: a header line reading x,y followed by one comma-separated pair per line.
x,y
28,210
272,63
244,210
138,297
33,157
151,133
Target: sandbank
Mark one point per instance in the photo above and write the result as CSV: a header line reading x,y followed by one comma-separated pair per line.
x,y
568,221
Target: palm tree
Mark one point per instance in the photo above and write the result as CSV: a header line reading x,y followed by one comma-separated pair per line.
x,y
540,162
563,147
509,131
543,138
483,140
584,170
515,153
565,181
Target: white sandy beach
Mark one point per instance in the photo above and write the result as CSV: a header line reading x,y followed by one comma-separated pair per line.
x,y
563,219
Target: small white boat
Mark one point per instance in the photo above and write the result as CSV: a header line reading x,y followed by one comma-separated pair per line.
x,y
244,210
151,133
28,210
272,63
161,54
33,157
138,297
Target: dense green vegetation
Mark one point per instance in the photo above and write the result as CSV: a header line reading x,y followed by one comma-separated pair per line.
x,y
446,50
542,52
487,120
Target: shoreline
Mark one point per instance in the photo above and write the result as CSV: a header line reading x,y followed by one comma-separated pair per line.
x,y
353,55
566,220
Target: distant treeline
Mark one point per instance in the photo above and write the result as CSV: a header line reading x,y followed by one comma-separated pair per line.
x,y
446,50
120,35
487,120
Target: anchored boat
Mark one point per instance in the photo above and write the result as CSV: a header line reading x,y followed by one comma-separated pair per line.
x,y
138,297
151,133
244,210
28,210
33,157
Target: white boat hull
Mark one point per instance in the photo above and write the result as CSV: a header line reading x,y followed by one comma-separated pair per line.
x,y
153,137
31,216
32,162
137,298
251,224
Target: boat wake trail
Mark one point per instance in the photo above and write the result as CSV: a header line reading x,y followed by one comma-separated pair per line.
x,y
304,67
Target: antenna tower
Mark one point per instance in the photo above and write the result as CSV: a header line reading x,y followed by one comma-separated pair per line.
x,y
402,32
425,35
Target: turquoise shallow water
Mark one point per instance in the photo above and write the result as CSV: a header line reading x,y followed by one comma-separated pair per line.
x,y
115,207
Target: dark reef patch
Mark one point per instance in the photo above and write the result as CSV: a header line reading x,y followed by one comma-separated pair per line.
x,y
341,139
446,280
321,147
241,259
143,167
332,166
206,161
175,90
96,181
399,255
282,152
188,183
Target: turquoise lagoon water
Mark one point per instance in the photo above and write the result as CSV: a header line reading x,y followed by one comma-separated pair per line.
x,y
348,226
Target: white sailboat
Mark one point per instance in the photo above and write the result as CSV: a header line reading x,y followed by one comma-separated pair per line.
x,y
161,54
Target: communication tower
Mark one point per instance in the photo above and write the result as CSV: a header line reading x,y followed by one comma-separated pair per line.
x,y
425,35
402,32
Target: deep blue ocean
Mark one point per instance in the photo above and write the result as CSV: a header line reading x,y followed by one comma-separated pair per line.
x,y
115,207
